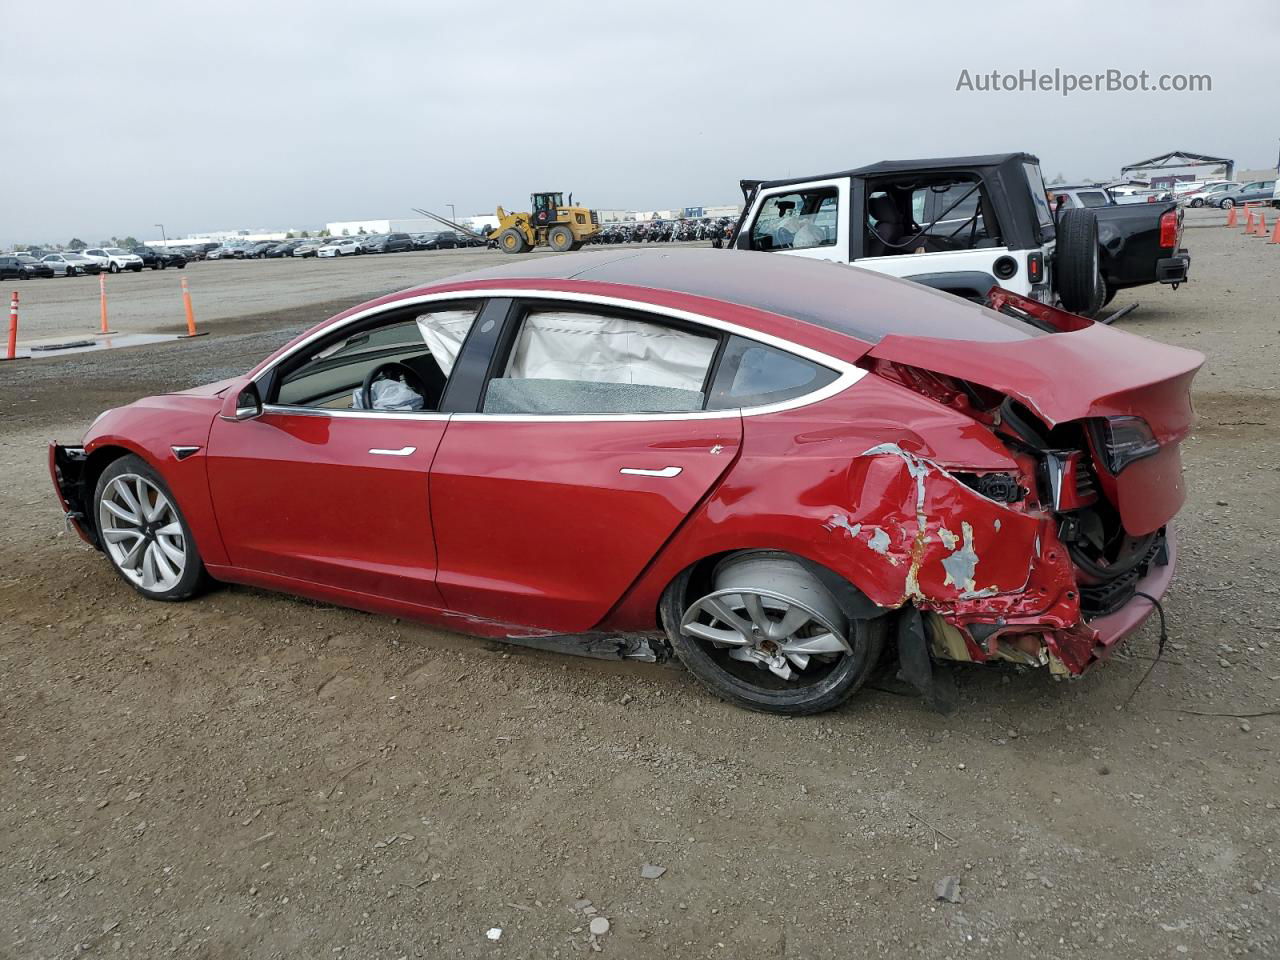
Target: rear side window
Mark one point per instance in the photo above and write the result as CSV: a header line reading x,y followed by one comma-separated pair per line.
x,y
1038,198
577,362
752,374
1092,198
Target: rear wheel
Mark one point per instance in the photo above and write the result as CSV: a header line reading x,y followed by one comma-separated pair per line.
x,y
560,238
143,532
1227,203
770,637
1076,262
512,240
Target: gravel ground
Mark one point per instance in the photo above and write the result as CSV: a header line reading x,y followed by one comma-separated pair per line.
x,y
249,775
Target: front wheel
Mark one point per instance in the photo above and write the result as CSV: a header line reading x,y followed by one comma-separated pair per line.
x,y
113,268
143,533
769,636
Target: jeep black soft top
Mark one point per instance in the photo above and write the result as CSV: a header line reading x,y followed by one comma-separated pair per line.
x,y
1013,184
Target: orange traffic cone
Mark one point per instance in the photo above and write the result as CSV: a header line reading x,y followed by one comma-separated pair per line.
x,y
1262,224
1232,219
1275,235
1248,220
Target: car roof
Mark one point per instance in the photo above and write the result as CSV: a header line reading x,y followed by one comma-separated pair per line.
x,y
843,299
989,161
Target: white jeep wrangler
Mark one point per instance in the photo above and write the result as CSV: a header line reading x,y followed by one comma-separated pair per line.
x,y
960,224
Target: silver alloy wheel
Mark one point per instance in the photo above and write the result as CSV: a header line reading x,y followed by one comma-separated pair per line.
x,y
141,533
770,630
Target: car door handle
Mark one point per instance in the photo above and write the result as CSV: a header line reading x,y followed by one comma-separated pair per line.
x,y
402,452
666,472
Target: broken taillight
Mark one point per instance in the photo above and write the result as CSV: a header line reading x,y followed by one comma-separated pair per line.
x,y
1169,229
1124,440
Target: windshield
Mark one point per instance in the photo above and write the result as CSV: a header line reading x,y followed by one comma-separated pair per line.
x,y
117,252
73,256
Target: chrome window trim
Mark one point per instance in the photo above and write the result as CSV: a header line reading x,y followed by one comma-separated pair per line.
x,y
849,374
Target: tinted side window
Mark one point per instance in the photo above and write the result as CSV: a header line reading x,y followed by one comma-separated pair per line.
x,y
1093,198
567,361
752,375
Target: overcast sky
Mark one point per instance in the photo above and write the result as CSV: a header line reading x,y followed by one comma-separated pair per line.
x,y
230,114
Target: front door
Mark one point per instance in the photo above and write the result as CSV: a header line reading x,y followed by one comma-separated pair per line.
x,y
333,500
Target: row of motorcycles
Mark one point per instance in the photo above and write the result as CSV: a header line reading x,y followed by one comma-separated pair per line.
x,y
716,229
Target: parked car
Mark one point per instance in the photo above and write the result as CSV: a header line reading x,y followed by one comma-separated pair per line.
x,y
789,468
284,249
34,267
70,264
308,248
444,240
388,243
965,225
341,247
12,268
113,259
160,258
256,251
1252,192
1208,193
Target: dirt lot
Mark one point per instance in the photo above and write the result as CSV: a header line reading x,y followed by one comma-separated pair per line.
x,y
249,775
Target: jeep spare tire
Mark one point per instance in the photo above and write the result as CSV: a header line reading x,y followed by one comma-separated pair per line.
x,y
1075,262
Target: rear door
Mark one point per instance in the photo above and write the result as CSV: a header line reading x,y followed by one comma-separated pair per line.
x,y
590,448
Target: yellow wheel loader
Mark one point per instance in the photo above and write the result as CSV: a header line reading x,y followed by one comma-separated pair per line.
x,y
551,223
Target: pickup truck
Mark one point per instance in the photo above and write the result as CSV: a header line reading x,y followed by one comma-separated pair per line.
x,y
965,225
1139,241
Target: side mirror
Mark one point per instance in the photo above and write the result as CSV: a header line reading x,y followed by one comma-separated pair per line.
x,y
244,403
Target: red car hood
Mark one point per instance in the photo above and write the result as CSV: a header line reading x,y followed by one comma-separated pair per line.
x,y
208,389
1096,371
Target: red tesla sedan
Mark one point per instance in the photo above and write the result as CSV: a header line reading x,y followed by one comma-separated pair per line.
x,y
775,468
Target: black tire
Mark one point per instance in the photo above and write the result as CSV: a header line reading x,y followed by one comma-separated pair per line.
x,y
560,238
740,687
181,266
113,268
512,240
193,577
1197,202
1226,203
1076,262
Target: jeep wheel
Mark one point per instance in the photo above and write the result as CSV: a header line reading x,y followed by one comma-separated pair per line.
x,y
1080,285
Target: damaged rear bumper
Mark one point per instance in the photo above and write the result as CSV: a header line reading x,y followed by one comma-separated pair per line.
x,y
1109,630
66,469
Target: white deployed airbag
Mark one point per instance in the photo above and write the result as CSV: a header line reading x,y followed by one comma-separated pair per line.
x,y
575,346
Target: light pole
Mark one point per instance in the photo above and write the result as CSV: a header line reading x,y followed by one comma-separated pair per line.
x,y
162,235
452,214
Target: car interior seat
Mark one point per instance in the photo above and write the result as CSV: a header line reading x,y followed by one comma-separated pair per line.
x,y
890,227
